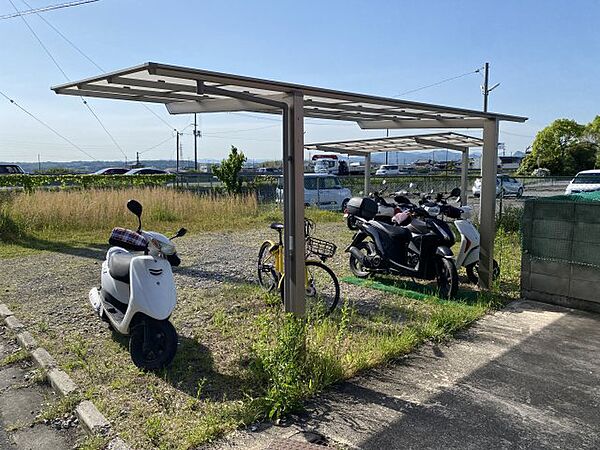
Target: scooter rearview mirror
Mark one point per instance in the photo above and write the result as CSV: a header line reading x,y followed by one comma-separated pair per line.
x,y
455,192
181,232
135,207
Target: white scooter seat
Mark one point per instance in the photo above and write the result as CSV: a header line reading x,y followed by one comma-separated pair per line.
x,y
118,266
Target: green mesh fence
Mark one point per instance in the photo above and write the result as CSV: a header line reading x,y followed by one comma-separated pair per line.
x,y
563,228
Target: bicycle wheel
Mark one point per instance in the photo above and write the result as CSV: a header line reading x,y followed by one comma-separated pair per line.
x,y
322,289
267,275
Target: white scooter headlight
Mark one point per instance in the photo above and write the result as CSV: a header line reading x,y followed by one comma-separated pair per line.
x,y
166,248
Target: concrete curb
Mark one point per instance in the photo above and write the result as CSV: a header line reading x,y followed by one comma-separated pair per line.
x,y
61,382
13,323
43,359
92,420
4,311
26,340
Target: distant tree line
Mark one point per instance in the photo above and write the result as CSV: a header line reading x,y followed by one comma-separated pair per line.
x,y
564,147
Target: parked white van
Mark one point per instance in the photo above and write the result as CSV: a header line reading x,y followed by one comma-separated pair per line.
x,y
320,190
388,169
585,181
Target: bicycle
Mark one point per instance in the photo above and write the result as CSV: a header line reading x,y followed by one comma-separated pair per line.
x,y
321,285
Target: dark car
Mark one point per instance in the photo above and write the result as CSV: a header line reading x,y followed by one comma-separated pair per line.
x,y
146,171
10,169
111,171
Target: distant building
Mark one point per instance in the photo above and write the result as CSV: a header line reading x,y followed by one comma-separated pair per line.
x,y
510,162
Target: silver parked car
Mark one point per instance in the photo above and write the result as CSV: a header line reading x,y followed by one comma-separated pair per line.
x,y
505,185
321,190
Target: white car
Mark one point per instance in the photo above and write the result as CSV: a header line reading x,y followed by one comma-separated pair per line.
x,y
320,190
505,185
585,181
388,169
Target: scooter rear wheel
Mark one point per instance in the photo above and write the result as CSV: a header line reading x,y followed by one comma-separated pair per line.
x,y
153,344
473,272
447,277
367,248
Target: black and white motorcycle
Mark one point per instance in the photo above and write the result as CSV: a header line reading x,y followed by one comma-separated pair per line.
x,y
137,292
418,246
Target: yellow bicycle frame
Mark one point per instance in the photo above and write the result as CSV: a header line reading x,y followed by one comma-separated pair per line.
x,y
276,250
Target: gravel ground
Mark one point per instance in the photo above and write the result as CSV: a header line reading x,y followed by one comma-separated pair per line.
x,y
53,287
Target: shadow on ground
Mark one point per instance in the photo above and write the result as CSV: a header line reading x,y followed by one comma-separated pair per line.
x,y
192,372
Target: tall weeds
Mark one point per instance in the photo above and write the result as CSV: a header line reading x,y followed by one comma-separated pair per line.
x,y
92,210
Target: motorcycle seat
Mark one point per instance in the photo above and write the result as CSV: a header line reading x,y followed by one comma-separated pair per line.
x,y
396,232
276,226
118,266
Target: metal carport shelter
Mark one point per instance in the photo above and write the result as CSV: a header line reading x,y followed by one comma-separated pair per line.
x,y
416,142
185,90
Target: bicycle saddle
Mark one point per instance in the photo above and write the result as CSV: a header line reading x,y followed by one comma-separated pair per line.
x,y
277,226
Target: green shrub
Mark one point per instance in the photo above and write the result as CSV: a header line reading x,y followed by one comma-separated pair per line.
x,y
280,363
510,219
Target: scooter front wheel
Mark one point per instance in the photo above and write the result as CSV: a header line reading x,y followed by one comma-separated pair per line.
x,y
153,344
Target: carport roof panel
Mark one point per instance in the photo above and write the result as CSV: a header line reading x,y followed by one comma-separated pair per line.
x,y
181,88
417,142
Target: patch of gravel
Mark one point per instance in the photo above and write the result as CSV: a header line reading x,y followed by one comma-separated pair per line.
x,y
54,287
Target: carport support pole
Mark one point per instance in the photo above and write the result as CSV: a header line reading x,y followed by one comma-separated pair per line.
x,y
367,174
487,225
464,172
293,204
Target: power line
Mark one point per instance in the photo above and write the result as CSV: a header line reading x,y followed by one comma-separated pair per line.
x,y
94,63
155,146
439,82
241,131
82,53
67,77
516,134
46,125
46,8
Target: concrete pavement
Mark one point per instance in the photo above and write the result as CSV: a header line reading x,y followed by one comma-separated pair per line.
x,y
525,377
21,400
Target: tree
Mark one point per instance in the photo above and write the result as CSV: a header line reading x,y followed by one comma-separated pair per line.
x,y
558,147
592,135
229,171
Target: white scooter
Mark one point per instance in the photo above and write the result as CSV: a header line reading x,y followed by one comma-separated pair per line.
x,y
468,252
137,293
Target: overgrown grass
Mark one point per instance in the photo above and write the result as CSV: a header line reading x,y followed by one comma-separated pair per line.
x,y
43,220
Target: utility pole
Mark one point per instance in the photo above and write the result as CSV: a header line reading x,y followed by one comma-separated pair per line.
x,y
137,159
486,79
195,143
387,134
485,89
39,164
177,150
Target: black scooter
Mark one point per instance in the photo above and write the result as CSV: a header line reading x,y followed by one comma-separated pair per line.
x,y
418,248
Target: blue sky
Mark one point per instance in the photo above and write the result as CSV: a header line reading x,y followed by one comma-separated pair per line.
x,y
544,53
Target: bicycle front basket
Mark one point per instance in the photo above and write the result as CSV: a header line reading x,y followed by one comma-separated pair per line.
x,y
320,247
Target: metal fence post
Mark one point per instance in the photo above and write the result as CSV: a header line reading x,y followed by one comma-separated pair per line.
x,y
293,211
487,223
